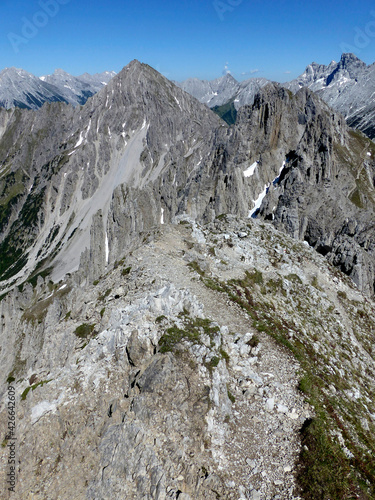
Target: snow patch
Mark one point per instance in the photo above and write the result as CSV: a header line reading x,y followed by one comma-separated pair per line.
x,y
162,216
178,102
106,248
249,172
258,201
277,178
80,140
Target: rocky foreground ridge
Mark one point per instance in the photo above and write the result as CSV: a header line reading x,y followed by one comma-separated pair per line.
x,y
185,371
187,307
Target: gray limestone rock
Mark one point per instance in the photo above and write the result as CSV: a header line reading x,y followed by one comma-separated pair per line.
x,y
346,86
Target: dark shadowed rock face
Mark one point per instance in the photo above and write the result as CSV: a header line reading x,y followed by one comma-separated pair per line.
x,y
325,194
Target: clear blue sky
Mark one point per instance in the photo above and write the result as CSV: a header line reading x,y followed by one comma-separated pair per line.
x,y
273,39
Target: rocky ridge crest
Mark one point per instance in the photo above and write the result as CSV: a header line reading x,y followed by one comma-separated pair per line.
x,y
175,374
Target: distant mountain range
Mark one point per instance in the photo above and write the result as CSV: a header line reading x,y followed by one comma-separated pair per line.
x,y
223,90
347,86
18,88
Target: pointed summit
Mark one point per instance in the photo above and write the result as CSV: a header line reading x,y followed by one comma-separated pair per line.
x,y
228,77
61,72
349,58
352,64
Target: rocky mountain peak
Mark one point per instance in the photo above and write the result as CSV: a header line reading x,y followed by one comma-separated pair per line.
x,y
145,125
347,86
349,67
228,78
315,69
351,63
14,75
60,72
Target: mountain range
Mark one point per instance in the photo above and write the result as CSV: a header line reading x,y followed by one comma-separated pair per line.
x,y
24,90
187,307
347,86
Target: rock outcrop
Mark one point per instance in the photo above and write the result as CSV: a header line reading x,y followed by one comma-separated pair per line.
x,y
325,193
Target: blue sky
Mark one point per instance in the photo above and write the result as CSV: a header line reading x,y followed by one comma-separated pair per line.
x,y
273,39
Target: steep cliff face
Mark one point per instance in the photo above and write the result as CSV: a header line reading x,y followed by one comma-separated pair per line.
x,y
325,194
311,175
